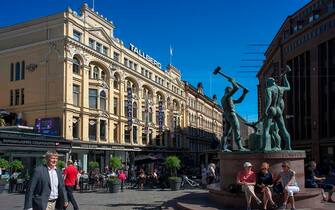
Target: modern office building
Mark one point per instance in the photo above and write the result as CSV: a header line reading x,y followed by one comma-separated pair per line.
x,y
69,76
306,42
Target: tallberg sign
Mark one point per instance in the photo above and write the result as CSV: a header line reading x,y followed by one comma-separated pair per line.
x,y
143,55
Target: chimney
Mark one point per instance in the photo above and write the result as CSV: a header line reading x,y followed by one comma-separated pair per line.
x,y
199,88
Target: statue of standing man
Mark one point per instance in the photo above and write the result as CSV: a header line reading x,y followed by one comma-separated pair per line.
x,y
231,121
274,109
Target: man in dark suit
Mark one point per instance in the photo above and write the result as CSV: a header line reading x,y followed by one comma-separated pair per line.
x,y
46,190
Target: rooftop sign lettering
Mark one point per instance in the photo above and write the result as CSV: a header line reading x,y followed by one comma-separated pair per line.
x,y
143,55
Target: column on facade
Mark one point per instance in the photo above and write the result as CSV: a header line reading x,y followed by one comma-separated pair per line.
x,y
84,101
122,124
153,108
67,117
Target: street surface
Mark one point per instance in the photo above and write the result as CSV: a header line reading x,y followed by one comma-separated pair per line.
x,y
148,199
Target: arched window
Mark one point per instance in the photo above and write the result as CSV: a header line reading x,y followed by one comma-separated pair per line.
x,y
95,72
103,75
103,100
134,110
76,65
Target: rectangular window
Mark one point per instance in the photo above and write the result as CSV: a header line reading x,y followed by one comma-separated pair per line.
x,y
150,137
93,99
144,137
116,56
76,95
22,96
103,130
135,135
126,135
92,130
115,105
17,71
98,47
23,68
17,96
91,43
75,127
115,131
11,98
76,35
125,62
11,71
105,50
125,108
135,66
131,64
142,71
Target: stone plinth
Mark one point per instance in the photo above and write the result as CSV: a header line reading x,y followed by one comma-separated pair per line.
x,y
232,162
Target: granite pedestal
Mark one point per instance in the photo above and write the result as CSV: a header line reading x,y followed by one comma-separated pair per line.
x,y
231,163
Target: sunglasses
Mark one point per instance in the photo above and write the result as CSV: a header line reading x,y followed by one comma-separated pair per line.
x,y
263,168
284,166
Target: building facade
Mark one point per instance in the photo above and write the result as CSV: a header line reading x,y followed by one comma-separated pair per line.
x,y
204,126
108,98
306,43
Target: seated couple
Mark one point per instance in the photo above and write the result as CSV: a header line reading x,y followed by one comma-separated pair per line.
x,y
264,181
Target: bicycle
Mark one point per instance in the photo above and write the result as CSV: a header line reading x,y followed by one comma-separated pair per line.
x,y
190,182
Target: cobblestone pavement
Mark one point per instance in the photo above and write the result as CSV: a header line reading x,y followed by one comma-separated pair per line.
x,y
129,199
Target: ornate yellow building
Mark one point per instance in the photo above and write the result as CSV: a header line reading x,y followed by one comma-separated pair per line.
x,y
108,98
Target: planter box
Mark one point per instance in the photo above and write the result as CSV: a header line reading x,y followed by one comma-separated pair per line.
x,y
175,184
114,188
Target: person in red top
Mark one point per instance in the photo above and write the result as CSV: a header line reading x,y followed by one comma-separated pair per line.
x,y
122,177
247,179
70,177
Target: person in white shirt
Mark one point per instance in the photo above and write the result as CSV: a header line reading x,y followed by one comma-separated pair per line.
x,y
46,189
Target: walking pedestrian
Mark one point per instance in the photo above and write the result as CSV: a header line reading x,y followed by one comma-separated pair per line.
x,y
122,177
70,178
46,190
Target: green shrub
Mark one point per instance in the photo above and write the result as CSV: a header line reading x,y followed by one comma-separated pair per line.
x,y
4,164
173,163
113,180
175,178
60,164
93,165
16,165
115,163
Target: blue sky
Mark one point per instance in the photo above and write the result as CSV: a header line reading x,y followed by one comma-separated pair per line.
x,y
203,34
